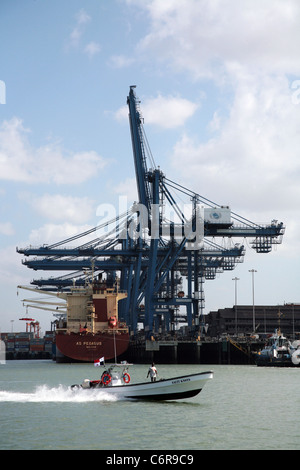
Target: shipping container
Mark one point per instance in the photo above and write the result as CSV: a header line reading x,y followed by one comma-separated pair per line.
x,y
36,347
22,348
22,344
21,334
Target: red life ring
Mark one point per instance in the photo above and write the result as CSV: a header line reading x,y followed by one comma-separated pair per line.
x,y
106,379
112,322
126,378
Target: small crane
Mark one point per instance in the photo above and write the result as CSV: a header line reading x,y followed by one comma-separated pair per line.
x,y
32,325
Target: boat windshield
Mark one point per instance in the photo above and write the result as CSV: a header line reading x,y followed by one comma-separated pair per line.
x,y
117,368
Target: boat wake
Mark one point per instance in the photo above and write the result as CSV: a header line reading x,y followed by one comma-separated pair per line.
x,y
60,394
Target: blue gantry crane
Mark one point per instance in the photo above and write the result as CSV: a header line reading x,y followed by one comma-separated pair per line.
x,y
162,249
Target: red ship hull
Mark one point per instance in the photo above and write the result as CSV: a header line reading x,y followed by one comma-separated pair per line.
x,y
89,347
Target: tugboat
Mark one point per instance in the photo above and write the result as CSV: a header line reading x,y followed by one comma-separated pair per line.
x,y
278,352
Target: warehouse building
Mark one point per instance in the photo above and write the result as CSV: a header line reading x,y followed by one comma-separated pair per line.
x,y
239,320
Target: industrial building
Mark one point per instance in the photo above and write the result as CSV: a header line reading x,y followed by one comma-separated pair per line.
x,y
240,319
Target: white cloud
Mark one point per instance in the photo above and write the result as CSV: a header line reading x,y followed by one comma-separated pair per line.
x,y
208,37
64,208
254,153
127,189
51,233
75,39
19,161
6,228
121,61
122,113
92,48
82,18
12,272
167,112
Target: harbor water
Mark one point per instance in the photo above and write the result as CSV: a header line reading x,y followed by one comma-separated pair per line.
x,y
243,407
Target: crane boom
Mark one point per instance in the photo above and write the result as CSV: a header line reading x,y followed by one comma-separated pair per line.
x,y
138,147
60,295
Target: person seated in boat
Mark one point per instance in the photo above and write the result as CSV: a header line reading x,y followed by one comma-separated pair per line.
x,y
152,371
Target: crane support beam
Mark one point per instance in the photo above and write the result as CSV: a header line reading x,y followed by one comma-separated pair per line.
x,y
240,231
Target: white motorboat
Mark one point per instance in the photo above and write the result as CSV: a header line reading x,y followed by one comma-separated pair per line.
x,y
278,352
116,381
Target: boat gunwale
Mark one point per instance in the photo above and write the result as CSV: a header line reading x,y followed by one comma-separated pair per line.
x,y
157,382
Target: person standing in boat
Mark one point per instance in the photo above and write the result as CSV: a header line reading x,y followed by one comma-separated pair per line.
x,y
152,372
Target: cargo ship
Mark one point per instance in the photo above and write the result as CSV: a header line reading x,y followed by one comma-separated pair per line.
x,y
91,328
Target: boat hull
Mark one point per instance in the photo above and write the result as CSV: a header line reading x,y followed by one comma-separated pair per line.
x,y
274,362
89,347
165,389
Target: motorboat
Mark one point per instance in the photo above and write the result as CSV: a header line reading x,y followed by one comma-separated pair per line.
x,y
116,380
278,352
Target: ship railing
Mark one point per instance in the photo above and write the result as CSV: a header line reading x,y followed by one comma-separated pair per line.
x,y
109,290
61,330
116,330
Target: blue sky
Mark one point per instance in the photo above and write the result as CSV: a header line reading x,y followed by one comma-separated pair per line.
x,y
219,83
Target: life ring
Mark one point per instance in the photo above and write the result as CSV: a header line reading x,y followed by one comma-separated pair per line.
x,y
106,379
126,378
112,321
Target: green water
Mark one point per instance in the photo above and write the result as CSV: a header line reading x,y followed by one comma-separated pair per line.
x,y
243,407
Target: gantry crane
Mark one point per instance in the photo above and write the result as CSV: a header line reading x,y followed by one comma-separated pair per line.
x,y
161,251
32,326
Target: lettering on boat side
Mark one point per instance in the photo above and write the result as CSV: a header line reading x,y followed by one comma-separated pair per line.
x,y
178,381
89,343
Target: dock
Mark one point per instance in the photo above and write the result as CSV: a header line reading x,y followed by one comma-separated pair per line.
x,y
193,351
167,350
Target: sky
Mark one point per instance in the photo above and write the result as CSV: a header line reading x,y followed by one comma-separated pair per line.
x,y
219,84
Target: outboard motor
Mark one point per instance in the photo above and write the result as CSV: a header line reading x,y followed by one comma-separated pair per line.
x,y
86,383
